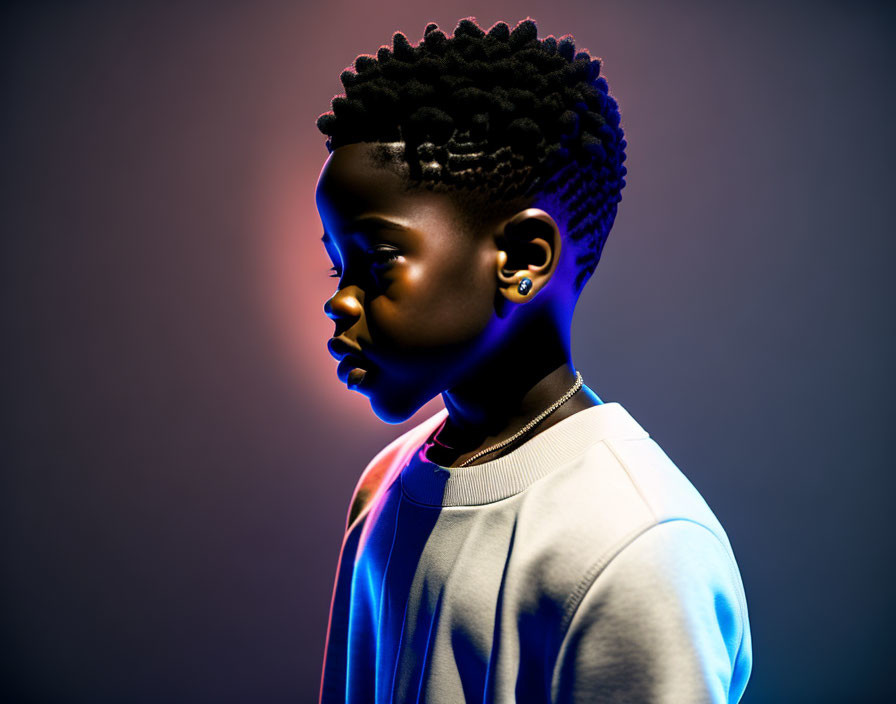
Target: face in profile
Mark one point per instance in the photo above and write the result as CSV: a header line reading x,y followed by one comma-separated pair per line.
x,y
414,306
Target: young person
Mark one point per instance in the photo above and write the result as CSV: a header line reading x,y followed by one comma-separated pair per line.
x,y
529,542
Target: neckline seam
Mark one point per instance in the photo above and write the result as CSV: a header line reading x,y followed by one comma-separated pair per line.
x,y
548,473
524,451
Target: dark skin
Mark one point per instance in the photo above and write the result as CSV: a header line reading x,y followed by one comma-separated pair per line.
x,y
427,306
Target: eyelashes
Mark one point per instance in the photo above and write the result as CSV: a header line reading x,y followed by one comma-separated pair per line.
x,y
385,255
380,257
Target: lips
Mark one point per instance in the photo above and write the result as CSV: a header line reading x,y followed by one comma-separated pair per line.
x,y
356,376
352,369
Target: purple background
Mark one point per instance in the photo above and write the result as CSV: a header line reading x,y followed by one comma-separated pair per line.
x,y
178,454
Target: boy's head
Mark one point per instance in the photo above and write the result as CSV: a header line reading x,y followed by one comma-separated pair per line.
x,y
497,157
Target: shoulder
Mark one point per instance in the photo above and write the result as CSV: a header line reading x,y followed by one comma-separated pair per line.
x,y
624,482
663,488
380,471
621,486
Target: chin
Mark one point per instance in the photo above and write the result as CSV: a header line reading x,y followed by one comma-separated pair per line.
x,y
395,408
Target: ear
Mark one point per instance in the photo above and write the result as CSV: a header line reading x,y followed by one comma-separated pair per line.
x,y
528,248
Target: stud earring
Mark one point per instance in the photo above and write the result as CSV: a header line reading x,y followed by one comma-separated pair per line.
x,y
525,285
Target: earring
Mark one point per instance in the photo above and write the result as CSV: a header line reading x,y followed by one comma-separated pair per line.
x,y
525,285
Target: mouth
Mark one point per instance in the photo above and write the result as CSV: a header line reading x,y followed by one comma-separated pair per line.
x,y
353,370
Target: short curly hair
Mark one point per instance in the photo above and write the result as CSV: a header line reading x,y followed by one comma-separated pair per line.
x,y
499,115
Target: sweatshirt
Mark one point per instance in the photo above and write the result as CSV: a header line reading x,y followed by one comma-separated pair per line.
x,y
583,566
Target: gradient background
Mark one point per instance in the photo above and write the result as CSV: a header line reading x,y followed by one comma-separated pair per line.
x,y
178,454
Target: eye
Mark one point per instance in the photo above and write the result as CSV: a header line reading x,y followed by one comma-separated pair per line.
x,y
379,257
384,255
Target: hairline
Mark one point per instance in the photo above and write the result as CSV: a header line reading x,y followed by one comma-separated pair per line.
x,y
469,203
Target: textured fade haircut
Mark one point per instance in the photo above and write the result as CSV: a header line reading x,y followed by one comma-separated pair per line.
x,y
495,117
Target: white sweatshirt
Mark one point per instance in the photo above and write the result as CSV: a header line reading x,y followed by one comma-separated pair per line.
x,y
582,566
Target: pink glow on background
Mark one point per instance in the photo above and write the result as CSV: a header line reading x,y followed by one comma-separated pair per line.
x,y
293,272
292,269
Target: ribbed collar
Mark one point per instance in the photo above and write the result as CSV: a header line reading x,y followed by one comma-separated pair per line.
x,y
428,483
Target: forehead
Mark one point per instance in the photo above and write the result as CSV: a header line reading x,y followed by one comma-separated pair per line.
x,y
353,183
349,176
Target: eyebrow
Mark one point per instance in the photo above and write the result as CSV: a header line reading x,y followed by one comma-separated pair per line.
x,y
374,220
383,221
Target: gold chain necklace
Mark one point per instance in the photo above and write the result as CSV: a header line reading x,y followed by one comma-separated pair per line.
x,y
526,428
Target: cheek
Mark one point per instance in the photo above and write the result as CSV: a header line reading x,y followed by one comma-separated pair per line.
x,y
421,311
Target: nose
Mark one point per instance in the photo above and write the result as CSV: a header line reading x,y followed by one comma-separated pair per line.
x,y
345,303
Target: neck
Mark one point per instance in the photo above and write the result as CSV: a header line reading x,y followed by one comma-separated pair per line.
x,y
503,395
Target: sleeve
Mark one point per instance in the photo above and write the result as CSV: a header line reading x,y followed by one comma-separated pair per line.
x,y
332,687
335,662
664,622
